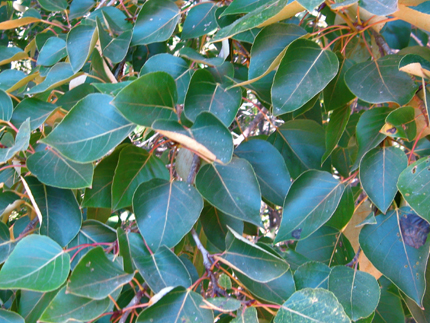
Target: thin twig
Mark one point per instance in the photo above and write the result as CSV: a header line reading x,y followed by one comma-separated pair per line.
x,y
354,260
382,44
195,165
135,300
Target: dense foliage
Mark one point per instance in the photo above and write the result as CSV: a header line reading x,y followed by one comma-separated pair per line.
x,y
214,161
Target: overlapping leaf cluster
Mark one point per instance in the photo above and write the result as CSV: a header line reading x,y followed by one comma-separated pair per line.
x,y
202,161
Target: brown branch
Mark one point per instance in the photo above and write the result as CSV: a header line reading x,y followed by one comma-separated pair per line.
x,y
384,49
135,300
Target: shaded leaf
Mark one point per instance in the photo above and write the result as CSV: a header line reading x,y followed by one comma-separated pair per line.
x,y
6,106
192,55
59,74
243,6
6,244
37,110
53,5
401,123
79,44
10,317
414,230
335,128
222,304
33,304
390,307
248,314
312,275
344,211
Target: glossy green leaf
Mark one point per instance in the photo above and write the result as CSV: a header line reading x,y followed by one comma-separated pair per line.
x,y
205,94
162,269
100,193
380,81
327,245
53,5
215,224
141,101
37,110
243,6
79,44
336,93
178,305
10,317
335,128
33,304
192,55
275,291
135,166
207,136
379,171
379,8
166,211
61,216
66,307
200,21
312,275
270,168
52,51
156,22
67,174
344,211
401,123
384,244
6,106
368,135
6,244
85,142
301,143
233,189
79,8
269,47
91,232
414,185
59,74
21,142
115,49
310,202
47,266
304,71
357,291
70,98
96,277
251,260
311,305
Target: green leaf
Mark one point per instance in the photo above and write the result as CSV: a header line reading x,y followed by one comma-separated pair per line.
x,y
276,291
46,269
66,307
53,5
162,269
357,291
96,277
223,304
59,74
327,245
269,47
344,211
156,22
248,315
383,243
368,135
335,128
166,211
10,317
207,136
61,216
234,189
114,48
304,71
79,44
205,94
380,81
37,110
301,143
379,8
215,222
79,8
33,304
124,249
70,98
135,166
53,169
270,168
141,101
6,244
312,275
100,193
336,93
243,6
200,21
390,307
414,185
87,141
178,305
6,106
21,142
401,123
310,202
10,54
251,260
311,305
379,171
192,55
11,80
52,51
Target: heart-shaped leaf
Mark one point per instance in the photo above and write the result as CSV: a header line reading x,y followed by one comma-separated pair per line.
x,y
85,142
379,171
233,189
47,265
166,211
310,202
304,71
